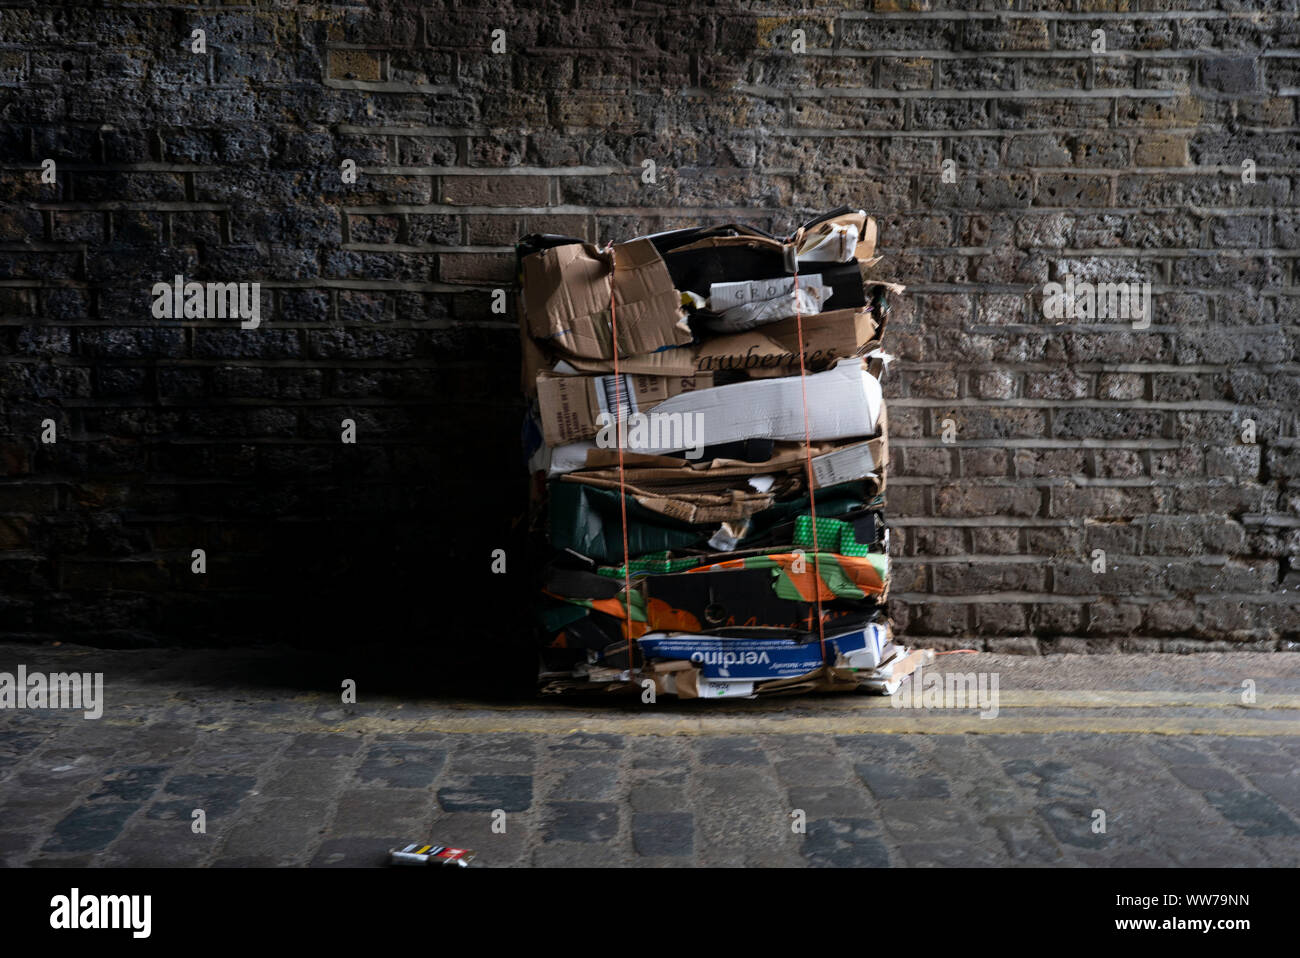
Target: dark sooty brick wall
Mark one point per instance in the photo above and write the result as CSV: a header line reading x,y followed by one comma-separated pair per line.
x,y
1167,157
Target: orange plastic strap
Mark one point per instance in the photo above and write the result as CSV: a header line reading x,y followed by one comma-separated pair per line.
x,y
807,449
618,438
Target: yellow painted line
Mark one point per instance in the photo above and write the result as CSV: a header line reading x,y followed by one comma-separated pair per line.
x,y
1110,699
901,721
1026,711
888,723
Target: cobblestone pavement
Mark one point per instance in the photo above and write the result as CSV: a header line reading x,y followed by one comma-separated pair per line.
x,y
1162,746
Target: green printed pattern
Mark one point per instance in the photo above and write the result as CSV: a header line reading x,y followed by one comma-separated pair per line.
x,y
657,563
833,535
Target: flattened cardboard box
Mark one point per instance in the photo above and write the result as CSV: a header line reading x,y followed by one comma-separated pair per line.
x,y
571,406
567,300
842,403
771,350
726,659
833,463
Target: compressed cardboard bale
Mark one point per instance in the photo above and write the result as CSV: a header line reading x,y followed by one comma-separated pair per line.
x,y
692,513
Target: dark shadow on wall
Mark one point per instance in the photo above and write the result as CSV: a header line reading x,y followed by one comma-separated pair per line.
x,y
175,437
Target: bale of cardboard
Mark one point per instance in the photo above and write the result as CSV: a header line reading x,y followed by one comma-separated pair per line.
x,y
707,438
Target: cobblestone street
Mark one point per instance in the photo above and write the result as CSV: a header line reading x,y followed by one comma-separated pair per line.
x,y
1162,746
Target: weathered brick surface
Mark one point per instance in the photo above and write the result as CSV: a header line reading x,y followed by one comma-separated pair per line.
x,y
1070,436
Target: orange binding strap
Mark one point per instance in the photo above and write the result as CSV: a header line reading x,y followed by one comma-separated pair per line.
x,y
618,439
807,449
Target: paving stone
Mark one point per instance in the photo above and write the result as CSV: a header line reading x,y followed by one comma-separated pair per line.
x,y
1026,839
1175,752
676,777
1017,746
482,833
949,855
814,770
1203,777
1050,780
960,759
1284,788
928,819
1127,758
1202,850
357,852
218,795
732,751
580,822
147,844
39,806
371,810
1253,813
828,801
246,861
238,755
886,782
62,769
743,818
486,793
881,748
1151,807
90,827
132,783
656,753
286,830
594,746
657,798
18,742
845,843
999,801
16,843
663,833
322,745
1250,755
1072,824
306,777
499,745
59,861
160,742
399,765
577,855
1124,857
586,782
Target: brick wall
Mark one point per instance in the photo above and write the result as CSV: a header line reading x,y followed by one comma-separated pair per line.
x,y
1068,436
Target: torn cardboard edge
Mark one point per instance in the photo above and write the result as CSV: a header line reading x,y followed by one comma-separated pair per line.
x,y
693,495
771,350
837,239
567,291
